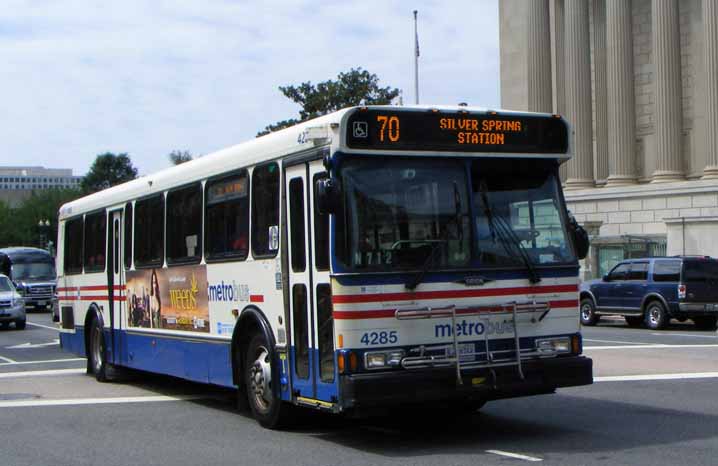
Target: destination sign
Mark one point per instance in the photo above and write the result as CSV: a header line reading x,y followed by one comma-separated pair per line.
x,y
456,132
225,190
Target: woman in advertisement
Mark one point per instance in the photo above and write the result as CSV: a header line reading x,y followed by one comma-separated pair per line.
x,y
155,301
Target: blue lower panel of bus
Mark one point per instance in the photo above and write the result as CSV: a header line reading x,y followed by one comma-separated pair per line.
x,y
196,360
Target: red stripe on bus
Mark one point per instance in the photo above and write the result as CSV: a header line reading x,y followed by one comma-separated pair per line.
x,y
386,313
446,294
101,298
256,298
73,289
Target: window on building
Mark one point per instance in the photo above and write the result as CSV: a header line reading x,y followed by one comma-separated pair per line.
x,y
149,231
184,225
227,217
73,246
265,210
95,239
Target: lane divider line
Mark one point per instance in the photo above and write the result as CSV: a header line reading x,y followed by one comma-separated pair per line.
x,y
514,455
614,341
98,401
636,378
7,360
655,346
714,337
45,361
14,375
43,326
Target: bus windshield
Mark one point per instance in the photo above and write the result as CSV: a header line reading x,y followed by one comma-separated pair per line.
x,y
401,213
517,205
33,271
411,213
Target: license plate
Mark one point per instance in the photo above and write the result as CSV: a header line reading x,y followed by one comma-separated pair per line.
x,y
41,303
466,351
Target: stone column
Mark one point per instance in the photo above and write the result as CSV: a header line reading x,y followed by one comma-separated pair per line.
x,y
578,93
559,73
539,54
710,31
599,85
621,100
669,112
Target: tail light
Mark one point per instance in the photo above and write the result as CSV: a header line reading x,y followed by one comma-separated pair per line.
x,y
681,291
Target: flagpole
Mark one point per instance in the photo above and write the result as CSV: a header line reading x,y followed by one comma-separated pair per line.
x,y
416,59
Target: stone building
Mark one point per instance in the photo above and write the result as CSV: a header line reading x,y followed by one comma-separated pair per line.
x,y
18,183
638,81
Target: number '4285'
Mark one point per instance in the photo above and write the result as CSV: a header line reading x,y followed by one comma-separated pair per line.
x,y
380,338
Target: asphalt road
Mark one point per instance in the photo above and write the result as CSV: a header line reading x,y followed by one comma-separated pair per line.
x,y
655,402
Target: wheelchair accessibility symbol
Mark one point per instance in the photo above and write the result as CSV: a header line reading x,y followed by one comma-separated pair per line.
x,y
360,129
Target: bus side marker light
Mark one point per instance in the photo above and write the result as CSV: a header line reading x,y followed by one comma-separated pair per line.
x,y
340,362
340,341
576,345
353,362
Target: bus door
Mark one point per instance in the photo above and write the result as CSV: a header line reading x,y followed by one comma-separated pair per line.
x,y
313,372
114,281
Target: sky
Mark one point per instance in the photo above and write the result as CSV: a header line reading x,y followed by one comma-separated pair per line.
x,y
83,77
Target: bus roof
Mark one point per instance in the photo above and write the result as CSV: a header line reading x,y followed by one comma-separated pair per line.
x,y
322,131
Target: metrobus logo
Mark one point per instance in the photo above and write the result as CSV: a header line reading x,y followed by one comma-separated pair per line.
x,y
465,328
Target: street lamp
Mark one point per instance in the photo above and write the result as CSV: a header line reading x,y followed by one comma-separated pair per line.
x,y
43,226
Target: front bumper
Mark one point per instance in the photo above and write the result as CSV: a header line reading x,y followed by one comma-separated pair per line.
x,y
39,303
365,391
10,314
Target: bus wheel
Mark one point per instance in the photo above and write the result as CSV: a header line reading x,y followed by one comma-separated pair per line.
x,y
98,360
262,396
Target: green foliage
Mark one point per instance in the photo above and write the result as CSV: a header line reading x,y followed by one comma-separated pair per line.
x,y
356,87
19,226
108,170
178,157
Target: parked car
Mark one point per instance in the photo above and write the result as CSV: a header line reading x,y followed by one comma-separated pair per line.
x,y
32,270
12,305
652,291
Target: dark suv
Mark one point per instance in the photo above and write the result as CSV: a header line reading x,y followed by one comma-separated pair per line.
x,y
652,291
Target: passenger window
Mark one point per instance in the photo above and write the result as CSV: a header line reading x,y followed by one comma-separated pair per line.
x,y
639,271
321,230
128,235
184,225
95,238
296,216
620,272
73,246
265,210
301,331
666,271
149,231
227,218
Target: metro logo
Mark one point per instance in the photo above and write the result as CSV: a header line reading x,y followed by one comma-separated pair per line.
x,y
465,328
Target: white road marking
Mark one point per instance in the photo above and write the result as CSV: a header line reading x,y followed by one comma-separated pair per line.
x,y
12,375
633,378
614,341
514,455
655,346
44,361
34,345
7,360
98,401
43,326
714,337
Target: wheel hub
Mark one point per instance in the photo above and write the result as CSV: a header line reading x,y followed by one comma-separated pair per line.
x,y
260,379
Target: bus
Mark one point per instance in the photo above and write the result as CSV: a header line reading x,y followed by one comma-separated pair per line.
x,y
372,257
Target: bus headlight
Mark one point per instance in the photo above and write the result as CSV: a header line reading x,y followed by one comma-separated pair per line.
x,y
383,359
550,346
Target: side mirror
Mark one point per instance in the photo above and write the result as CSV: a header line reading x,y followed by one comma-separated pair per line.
x,y
329,196
605,278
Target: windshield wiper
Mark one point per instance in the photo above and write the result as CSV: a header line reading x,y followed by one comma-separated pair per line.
x,y
499,227
419,277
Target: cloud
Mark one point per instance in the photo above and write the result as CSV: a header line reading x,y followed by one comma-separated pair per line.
x,y
80,78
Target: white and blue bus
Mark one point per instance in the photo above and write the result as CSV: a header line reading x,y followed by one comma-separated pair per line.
x,y
372,257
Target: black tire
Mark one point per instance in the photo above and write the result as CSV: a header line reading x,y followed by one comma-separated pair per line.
x,y
97,352
20,324
705,322
588,312
262,394
634,321
655,316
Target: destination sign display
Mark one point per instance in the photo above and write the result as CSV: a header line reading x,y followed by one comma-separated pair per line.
x,y
456,132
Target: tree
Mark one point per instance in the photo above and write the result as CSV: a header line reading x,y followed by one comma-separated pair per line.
x,y
108,170
356,87
178,157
